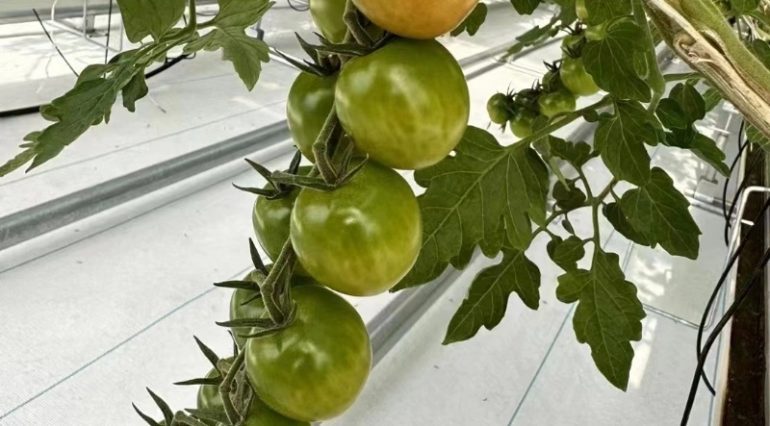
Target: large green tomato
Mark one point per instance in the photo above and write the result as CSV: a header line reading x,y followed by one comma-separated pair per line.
x,y
315,368
553,104
576,78
406,104
328,17
362,238
311,98
244,305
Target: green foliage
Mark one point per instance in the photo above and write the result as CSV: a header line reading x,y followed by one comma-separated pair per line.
x,y
608,315
246,53
601,11
660,212
621,139
566,253
488,296
471,197
741,7
143,18
90,102
473,22
756,137
525,7
613,60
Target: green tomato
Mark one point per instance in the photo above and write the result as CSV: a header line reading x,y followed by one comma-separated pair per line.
x,y
361,238
522,123
575,77
406,105
553,104
260,414
209,397
244,305
311,98
315,368
498,110
328,17
581,10
271,218
271,222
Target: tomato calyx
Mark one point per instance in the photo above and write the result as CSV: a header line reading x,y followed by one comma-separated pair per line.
x,y
275,189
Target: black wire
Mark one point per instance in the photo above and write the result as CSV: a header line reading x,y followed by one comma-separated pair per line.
x,y
302,8
47,34
718,287
166,65
741,148
109,32
744,293
35,109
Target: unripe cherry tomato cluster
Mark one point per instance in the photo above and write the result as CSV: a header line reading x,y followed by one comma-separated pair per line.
x,y
555,95
405,106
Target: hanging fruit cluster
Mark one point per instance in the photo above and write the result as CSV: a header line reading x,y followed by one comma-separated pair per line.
x,y
556,94
350,224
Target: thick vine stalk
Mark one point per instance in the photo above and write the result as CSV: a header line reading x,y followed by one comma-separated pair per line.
x,y
694,33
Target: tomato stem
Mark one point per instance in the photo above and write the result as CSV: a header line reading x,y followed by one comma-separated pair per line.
x,y
275,289
321,147
355,30
226,386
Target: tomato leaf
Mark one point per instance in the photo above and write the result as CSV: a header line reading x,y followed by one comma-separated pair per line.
x,y
754,136
672,115
488,296
470,196
568,197
740,7
535,36
701,145
690,100
608,315
576,153
619,221
611,60
620,139
566,253
473,22
135,89
149,17
660,213
247,54
712,98
600,11
525,7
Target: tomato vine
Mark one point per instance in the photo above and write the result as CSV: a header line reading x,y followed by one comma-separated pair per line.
x,y
478,194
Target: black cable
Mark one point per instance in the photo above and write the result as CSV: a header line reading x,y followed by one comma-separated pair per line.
x,y
741,148
755,277
302,8
36,109
718,287
166,65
